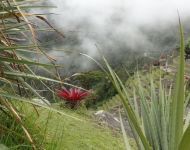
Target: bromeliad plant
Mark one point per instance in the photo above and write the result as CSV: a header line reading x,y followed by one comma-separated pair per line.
x,y
157,117
73,96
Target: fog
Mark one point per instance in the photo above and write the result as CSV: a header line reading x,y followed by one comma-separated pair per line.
x,y
116,26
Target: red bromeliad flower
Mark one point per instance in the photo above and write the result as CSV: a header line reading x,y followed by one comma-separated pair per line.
x,y
73,95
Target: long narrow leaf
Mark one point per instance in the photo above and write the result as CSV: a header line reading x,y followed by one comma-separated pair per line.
x,y
4,59
177,108
125,137
185,142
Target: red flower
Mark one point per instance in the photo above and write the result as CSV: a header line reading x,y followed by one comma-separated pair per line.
x,y
73,94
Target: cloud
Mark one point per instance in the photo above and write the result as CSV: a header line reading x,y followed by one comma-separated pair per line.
x,y
98,12
118,26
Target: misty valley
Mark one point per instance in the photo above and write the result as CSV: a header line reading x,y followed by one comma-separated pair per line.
x,y
94,75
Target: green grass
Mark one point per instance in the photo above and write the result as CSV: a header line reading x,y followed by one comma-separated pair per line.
x,y
70,134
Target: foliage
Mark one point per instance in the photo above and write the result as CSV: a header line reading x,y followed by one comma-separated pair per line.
x,y
12,134
156,115
99,83
18,42
24,122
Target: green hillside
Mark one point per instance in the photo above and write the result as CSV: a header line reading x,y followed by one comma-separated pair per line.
x,y
76,130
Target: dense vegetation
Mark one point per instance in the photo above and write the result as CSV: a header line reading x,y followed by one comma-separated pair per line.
x,y
26,119
32,116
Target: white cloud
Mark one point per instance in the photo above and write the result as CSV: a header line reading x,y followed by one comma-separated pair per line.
x,y
117,24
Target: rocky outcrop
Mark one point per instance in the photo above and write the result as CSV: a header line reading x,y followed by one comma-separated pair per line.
x,y
111,119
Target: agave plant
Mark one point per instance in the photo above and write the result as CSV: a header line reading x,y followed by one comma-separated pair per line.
x,y
157,118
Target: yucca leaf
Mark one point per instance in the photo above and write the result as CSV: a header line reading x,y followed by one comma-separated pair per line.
x,y
162,115
185,142
177,105
130,113
125,137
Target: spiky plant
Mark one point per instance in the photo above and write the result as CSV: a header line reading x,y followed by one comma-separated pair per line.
x,y
157,117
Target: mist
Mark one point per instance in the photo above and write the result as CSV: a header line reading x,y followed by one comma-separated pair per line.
x,y
116,27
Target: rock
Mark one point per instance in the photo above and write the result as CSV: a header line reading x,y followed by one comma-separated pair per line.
x,y
108,119
112,120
